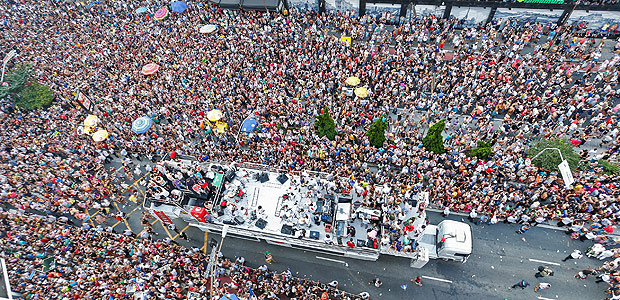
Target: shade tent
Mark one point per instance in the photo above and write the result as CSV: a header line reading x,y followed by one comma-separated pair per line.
x,y
141,125
249,125
178,6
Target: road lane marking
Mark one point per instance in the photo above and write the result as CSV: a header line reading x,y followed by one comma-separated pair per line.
x,y
176,236
544,262
543,298
438,279
124,220
166,229
330,259
131,212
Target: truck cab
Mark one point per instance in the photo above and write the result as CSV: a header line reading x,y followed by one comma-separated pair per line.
x,y
449,240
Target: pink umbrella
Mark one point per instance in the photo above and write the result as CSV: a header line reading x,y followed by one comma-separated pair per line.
x,y
616,108
161,13
150,69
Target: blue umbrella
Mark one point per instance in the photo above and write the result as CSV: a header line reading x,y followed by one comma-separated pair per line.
x,y
229,297
178,6
248,125
141,125
141,10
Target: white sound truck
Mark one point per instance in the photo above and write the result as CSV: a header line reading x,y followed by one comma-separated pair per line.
x,y
309,211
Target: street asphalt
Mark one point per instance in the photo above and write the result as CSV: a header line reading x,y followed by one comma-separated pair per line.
x,y
500,258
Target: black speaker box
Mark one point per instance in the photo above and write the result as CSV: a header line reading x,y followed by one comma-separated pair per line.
x,y
286,229
282,178
260,223
263,177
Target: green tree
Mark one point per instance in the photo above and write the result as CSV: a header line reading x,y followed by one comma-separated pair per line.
x,y
16,81
433,140
325,125
24,90
376,132
483,151
34,95
550,159
609,168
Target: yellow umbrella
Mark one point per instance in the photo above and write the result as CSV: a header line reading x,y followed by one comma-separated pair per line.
x,y
91,121
361,92
100,135
214,115
220,127
353,81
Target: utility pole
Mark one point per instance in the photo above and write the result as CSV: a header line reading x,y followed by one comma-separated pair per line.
x,y
213,261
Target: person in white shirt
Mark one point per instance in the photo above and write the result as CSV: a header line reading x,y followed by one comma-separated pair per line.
x,y
542,286
576,254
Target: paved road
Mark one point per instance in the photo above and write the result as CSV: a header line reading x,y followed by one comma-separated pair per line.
x,y
500,258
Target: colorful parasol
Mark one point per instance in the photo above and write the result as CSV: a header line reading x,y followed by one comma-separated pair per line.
x,y
141,125
208,28
352,81
178,6
215,115
161,13
361,92
91,121
100,135
150,69
248,125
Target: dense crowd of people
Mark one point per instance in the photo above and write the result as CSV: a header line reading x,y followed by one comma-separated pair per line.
x,y
541,81
50,259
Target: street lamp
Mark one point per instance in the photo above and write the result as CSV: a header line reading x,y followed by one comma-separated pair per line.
x,y
6,59
564,168
213,260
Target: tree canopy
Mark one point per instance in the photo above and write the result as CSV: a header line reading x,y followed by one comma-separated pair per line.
x,y
550,158
434,140
325,125
376,132
24,90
